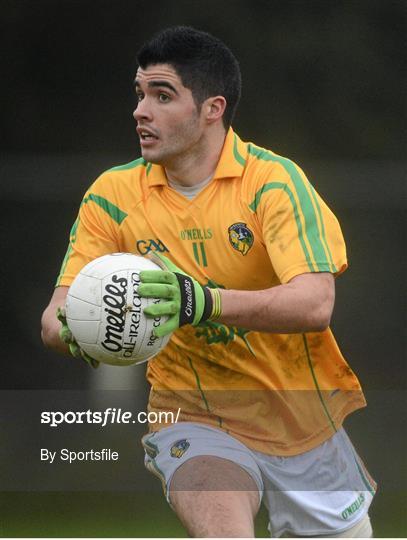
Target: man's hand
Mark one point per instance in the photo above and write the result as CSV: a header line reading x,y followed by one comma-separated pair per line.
x,y
186,301
66,336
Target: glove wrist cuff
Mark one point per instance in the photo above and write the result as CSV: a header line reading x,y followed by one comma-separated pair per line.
x,y
213,304
208,304
216,305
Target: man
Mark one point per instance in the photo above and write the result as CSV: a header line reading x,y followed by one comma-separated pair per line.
x,y
249,252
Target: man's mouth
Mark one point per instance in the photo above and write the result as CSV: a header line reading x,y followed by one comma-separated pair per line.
x,y
146,135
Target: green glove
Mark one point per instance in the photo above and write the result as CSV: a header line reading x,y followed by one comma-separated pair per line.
x,y
66,335
187,302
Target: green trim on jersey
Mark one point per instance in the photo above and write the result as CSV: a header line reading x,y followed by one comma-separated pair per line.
x,y
280,185
236,154
72,238
111,209
136,163
313,193
311,229
198,383
314,378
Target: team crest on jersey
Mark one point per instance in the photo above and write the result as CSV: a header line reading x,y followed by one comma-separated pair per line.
x,y
241,237
179,448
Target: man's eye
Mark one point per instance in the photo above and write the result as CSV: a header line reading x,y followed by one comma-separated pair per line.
x,y
139,96
163,98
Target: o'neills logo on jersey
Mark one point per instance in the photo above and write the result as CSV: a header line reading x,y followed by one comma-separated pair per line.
x,y
115,300
241,237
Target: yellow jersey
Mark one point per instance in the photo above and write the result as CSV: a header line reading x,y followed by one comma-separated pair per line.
x,y
256,224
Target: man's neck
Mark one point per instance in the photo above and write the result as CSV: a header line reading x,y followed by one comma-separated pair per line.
x,y
191,169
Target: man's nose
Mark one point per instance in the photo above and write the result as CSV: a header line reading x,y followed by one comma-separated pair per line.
x,y
142,111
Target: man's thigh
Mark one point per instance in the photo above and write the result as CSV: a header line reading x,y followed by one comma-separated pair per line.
x,y
213,496
211,480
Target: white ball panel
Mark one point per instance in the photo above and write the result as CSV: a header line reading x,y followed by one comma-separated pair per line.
x,y
87,288
81,309
84,331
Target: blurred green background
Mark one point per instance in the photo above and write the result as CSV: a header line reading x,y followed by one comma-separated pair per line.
x,y
323,84
128,515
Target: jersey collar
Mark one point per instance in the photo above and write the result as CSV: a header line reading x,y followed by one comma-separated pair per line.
x,y
233,157
231,163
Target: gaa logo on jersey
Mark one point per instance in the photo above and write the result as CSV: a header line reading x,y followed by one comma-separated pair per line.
x,y
145,246
179,448
241,237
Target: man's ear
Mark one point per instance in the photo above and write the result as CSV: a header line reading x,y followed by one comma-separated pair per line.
x,y
214,108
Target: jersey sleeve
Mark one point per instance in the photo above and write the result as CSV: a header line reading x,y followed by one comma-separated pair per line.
x,y
300,232
94,233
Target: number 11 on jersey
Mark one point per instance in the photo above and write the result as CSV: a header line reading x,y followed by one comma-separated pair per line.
x,y
200,253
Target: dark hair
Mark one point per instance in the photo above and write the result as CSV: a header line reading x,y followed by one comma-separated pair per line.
x,y
203,62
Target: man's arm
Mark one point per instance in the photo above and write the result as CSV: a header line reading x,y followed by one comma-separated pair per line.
x,y
50,325
305,304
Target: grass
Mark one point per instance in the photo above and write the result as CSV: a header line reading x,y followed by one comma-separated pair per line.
x,y
82,514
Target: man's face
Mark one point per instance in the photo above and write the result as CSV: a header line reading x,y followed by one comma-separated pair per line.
x,y
168,122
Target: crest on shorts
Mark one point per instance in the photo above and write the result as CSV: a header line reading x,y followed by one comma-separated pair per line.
x,y
179,448
241,237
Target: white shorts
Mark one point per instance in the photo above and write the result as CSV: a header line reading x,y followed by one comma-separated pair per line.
x,y
318,493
